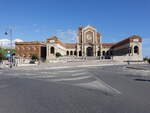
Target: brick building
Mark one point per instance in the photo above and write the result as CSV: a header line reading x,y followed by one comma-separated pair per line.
x,y
27,49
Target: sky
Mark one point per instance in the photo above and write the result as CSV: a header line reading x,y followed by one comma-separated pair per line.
x,y
37,20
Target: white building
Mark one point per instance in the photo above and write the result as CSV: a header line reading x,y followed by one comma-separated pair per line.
x,y
89,44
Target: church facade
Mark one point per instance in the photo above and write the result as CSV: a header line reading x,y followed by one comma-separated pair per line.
x,y
89,45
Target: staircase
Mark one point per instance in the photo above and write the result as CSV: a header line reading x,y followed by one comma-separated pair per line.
x,y
92,58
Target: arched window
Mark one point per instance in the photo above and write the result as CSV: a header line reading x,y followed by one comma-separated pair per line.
x,y
75,52
103,53
52,50
71,52
80,53
67,53
98,53
136,49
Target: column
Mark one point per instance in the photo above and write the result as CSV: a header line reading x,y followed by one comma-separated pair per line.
x,y
77,50
47,49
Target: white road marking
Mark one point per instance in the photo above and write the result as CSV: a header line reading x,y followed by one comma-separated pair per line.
x,y
99,86
101,81
48,72
74,76
70,79
77,74
45,76
72,71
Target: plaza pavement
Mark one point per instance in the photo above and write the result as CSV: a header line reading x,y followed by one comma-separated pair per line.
x,y
140,67
91,89
74,88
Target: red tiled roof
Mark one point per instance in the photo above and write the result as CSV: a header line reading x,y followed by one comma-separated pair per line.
x,y
70,45
108,45
30,43
128,40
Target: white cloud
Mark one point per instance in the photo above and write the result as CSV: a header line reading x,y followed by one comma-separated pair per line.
x,y
67,36
18,40
5,43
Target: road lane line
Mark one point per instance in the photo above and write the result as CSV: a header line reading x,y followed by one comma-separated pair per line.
x,y
108,85
71,79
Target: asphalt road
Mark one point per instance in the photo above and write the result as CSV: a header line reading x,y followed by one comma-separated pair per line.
x,y
111,89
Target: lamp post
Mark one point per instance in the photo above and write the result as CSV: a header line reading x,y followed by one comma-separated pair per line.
x,y
10,35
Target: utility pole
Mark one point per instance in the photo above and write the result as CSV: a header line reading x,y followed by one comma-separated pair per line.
x,y
11,58
10,36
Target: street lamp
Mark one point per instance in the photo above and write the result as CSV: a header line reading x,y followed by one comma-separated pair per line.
x,y
10,35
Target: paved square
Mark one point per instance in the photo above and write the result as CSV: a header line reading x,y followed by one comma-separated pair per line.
x,y
76,89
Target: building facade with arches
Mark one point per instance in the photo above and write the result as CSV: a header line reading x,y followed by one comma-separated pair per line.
x,y
89,45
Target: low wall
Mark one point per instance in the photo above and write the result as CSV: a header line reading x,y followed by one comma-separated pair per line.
x,y
128,58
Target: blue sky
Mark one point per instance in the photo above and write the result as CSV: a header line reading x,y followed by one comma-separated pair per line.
x,y
36,20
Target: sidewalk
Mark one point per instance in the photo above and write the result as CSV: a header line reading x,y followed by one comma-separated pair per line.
x,y
2,66
69,65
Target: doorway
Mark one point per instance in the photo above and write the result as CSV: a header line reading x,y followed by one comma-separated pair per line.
x,y
89,51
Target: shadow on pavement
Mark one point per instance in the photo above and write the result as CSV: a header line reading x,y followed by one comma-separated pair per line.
x,y
143,80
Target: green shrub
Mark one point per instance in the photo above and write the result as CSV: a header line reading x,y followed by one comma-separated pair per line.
x,y
147,59
58,55
34,57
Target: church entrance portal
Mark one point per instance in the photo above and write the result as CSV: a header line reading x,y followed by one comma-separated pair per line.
x,y
89,51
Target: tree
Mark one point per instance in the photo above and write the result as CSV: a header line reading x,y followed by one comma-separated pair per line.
x,y
58,54
4,52
34,57
1,57
147,59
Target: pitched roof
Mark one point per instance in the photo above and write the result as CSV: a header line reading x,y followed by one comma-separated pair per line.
x,y
69,46
128,40
29,43
108,45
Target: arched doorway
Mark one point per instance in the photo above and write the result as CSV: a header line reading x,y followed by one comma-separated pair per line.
x,y
80,53
67,53
75,52
52,50
136,49
71,52
103,53
89,51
